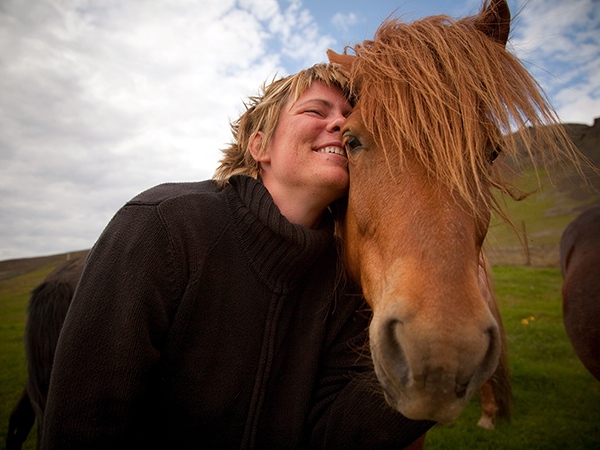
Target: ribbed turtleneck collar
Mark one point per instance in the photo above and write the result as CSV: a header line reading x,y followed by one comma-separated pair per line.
x,y
279,251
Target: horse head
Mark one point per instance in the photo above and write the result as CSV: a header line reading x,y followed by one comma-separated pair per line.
x,y
435,99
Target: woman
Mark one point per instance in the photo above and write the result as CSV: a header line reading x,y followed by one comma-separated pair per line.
x,y
208,314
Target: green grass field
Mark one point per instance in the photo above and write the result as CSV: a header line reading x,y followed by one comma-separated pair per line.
x,y
544,215
556,405
556,401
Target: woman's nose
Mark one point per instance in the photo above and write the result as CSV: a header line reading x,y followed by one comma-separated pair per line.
x,y
336,123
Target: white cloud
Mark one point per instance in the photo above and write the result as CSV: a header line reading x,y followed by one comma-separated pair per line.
x,y
343,21
100,100
559,41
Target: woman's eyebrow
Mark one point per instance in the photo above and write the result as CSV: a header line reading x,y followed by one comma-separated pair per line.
x,y
322,101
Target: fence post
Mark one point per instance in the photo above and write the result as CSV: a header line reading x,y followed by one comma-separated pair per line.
x,y
527,253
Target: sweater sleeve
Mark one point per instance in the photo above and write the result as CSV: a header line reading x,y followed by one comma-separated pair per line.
x,y
112,335
349,409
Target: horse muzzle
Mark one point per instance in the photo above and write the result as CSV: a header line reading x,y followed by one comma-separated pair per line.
x,y
430,372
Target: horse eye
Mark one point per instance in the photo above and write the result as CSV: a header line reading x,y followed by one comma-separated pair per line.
x,y
352,144
494,154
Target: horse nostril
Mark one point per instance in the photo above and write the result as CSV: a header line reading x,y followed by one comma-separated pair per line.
x,y
490,360
394,350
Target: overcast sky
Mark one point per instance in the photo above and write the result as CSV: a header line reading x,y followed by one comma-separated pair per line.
x,y
102,99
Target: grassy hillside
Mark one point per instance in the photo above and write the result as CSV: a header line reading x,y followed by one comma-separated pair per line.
x,y
15,267
539,222
558,197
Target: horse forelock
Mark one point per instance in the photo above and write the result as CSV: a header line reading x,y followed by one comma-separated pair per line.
x,y
443,92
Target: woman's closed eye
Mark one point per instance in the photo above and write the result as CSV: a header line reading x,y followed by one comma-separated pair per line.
x,y
317,112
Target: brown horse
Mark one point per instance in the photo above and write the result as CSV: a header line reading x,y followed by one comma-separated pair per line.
x,y
47,309
437,100
580,261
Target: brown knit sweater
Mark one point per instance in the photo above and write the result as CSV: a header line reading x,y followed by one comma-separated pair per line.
x,y
204,319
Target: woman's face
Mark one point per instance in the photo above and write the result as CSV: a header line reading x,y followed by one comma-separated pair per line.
x,y
305,154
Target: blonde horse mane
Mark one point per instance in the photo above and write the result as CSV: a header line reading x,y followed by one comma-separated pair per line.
x,y
442,90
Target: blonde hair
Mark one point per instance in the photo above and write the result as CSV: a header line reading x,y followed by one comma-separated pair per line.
x,y
262,114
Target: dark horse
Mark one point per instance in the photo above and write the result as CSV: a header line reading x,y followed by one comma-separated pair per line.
x,y
580,261
47,309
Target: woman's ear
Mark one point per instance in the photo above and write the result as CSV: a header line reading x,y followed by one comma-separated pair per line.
x,y
255,146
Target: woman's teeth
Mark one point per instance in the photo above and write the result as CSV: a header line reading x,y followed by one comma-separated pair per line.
x,y
336,150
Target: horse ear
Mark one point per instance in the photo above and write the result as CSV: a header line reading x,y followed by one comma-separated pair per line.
x,y
494,21
345,61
